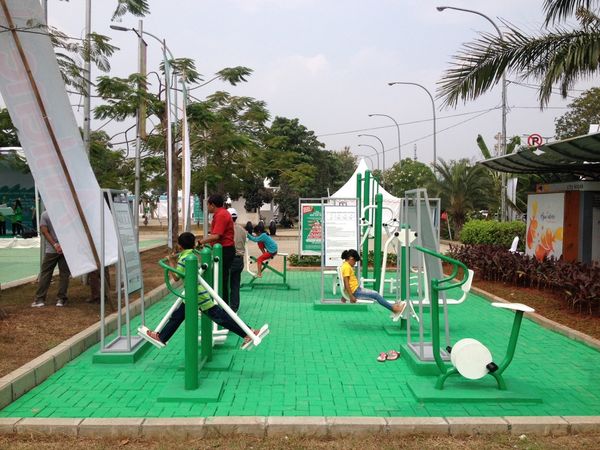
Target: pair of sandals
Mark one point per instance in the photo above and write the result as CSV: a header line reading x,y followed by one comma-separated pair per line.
x,y
392,355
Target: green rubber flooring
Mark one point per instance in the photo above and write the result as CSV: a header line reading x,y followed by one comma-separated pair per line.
x,y
323,363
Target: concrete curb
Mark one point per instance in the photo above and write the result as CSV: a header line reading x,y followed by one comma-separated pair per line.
x,y
28,376
546,323
332,427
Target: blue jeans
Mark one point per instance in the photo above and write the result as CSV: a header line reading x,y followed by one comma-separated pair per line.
x,y
373,295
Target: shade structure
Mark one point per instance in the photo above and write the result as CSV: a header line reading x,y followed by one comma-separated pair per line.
x,y
579,155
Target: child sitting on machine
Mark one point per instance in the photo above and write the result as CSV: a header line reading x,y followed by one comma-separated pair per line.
x,y
185,243
267,245
351,286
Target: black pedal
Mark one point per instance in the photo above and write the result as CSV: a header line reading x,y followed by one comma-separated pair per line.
x,y
491,367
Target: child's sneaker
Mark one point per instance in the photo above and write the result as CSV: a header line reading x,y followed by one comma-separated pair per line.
x,y
61,302
38,304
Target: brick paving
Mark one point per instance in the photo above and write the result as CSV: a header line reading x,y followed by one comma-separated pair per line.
x,y
322,363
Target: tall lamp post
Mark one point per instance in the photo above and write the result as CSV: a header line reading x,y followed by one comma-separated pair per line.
x,y
376,152
382,157
434,119
503,141
140,118
397,129
165,49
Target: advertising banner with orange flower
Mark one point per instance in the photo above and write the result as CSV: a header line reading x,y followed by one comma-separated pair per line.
x,y
545,216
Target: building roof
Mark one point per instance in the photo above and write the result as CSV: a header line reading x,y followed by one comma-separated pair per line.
x,y
579,155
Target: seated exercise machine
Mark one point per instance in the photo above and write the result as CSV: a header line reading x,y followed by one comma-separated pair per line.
x,y
469,357
255,281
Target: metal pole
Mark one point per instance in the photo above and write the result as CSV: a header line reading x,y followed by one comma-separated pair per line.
x,y
434,118
398,130
87,75
383,156
376,152
191,322
503,212
138,140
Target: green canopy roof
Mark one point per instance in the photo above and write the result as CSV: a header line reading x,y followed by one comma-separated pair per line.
x,y
579,155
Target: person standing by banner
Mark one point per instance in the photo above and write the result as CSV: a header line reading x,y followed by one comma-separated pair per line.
x,y
17,218
221,232
237,266
53,255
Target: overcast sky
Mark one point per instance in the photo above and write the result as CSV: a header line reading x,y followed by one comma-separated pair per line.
x,y
328,62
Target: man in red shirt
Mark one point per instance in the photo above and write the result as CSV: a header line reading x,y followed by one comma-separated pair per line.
x,y
221,232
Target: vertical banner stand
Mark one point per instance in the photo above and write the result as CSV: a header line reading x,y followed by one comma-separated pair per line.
x,y
340,231
125,347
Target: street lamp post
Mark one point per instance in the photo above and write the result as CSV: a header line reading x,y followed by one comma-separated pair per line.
x,y
503,141
376,152
382,157
165,49
398,130
434,119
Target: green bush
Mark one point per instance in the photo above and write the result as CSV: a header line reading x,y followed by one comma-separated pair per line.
x,y
315,261
493,233
304,261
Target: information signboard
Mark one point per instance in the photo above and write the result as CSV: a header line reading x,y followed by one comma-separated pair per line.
x,y
340,232
131,254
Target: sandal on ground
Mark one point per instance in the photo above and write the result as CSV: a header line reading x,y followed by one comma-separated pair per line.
x,y
144,333
249,341
382,357
392,355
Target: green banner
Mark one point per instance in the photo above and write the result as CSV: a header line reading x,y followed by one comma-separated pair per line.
x,y
311,222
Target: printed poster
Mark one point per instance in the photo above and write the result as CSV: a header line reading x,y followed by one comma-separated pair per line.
x,y
545,216
311,223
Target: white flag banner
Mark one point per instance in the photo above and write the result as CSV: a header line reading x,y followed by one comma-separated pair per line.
x,y
41,111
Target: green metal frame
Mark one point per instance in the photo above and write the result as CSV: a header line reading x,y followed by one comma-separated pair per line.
x,y
445,284
283,275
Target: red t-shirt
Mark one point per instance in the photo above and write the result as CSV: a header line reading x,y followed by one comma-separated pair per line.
x,y
222,224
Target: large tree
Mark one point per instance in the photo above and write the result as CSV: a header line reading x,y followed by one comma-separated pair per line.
x,y
583,111
123,96
562,55
410,174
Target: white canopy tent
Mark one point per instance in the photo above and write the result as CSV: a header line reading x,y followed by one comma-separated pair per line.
x,y
348,190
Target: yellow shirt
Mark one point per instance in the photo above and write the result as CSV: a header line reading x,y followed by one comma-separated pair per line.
x,y
348,271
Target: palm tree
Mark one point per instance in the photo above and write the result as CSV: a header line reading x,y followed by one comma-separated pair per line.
x,y
561,55
138,8
463,188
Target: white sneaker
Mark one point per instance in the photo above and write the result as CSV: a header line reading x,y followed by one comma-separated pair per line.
x,y
37,304
61,302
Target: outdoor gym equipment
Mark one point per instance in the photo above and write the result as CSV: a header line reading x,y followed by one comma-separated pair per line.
x,y
471,358
190,296
254,281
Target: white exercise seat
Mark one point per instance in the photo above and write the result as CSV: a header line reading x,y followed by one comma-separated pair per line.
x,y
343,288
465,288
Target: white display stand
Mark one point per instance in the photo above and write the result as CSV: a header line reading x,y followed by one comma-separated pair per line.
x,y
128,280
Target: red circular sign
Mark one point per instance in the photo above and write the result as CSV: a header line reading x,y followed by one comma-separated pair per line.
x,y
535,140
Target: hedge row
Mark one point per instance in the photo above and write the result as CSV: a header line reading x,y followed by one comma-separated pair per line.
x,y
492,232
579,284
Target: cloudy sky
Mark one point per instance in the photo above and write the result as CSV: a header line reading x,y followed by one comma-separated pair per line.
x,y
328,62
